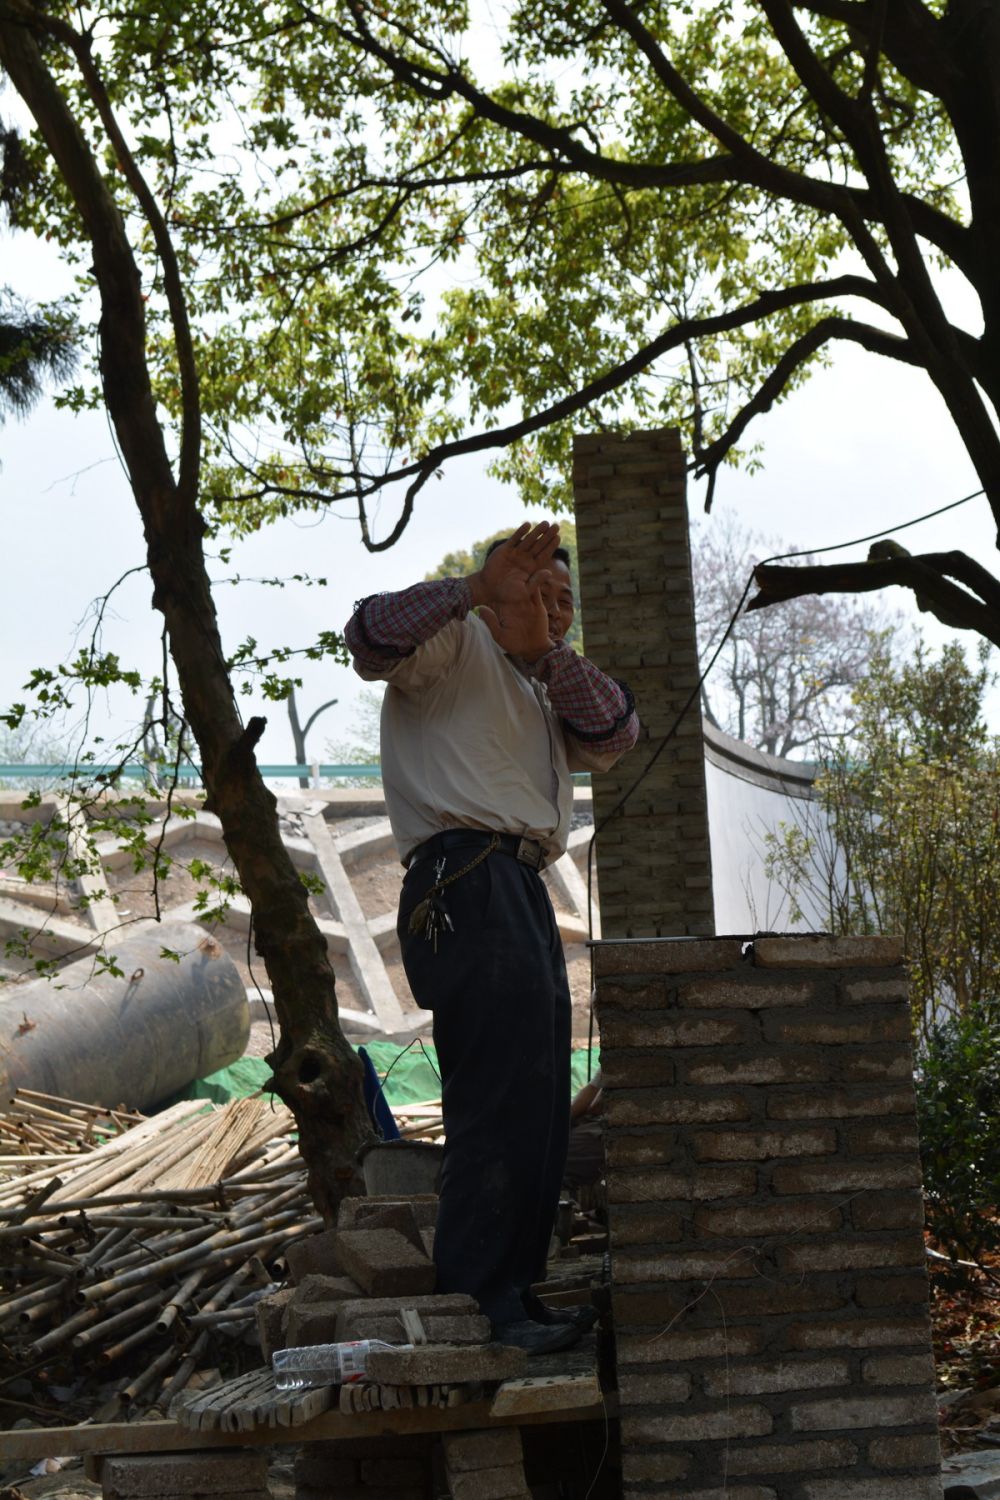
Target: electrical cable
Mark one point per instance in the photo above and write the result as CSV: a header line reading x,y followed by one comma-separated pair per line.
x,y
693,698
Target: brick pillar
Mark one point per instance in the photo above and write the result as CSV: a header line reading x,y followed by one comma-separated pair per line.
x,y
653,860
768,1272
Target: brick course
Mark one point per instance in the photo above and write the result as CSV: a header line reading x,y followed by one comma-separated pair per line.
x,y
768,1284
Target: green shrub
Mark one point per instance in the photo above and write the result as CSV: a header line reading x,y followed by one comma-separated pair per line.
x,y
958,1110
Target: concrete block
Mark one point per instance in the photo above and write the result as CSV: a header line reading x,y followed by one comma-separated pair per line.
x,y
433,1363
507,1483
454,1328
355,1211
315,1323
439,1304
314,1288
812,952
314,1255
159,1474
679,955
482,1448
384,1263
270,1316
398,1216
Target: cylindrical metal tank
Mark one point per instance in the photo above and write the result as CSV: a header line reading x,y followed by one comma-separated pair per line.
x,y
135,1040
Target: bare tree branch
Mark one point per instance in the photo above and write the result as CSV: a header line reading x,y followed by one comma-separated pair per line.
x,y
952,605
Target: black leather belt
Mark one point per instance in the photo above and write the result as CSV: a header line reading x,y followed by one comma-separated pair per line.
x,y
528,851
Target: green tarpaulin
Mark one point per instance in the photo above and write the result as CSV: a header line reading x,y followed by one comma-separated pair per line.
x,y
410,1074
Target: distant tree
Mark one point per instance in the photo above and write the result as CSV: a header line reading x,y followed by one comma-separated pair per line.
x,y
457,564
912,802
34,344
363,747
785,678
300,730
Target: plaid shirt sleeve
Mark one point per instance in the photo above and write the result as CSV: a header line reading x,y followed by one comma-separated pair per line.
x,y
595,709
386,627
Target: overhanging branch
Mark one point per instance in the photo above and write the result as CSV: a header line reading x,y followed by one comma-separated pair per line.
x,y
923,574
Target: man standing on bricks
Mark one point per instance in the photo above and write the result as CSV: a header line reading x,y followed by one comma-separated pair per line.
x,y
487,712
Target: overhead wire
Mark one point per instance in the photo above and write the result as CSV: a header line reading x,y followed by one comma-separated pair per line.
x,y
694,695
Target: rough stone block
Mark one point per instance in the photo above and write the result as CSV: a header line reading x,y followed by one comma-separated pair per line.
x,y
924,1487
763,1378
862,1333
454,1328
399,1216
843,1413
384,1263
506,1483
437,1304
313,1323
740,994
663,1186
482,1448
719,1425
354,1211
781,1458
316,1254
269,1313
224,1473
920,1452
393,1473
317,1468
763,1145
429,1364
813,952
666,956
642,1388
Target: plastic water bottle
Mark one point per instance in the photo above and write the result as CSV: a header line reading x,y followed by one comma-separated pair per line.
x,y
324,1364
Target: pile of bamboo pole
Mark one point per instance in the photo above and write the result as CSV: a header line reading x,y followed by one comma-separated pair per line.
x,y
420,1121
40,1130
128,1264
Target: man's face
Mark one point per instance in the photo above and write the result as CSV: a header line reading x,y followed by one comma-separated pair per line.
x,y
557,596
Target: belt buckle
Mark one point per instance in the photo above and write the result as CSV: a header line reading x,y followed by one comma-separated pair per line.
x,y
529,853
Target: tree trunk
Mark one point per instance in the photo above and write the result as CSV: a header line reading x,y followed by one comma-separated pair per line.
x,y
316,1071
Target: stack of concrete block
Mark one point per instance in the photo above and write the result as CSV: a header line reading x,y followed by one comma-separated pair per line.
x,y
216,1475
383,1468
381,1248
768,1268
485,1464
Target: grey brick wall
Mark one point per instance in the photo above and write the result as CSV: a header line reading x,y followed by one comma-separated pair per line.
x,y
653,861
768,1273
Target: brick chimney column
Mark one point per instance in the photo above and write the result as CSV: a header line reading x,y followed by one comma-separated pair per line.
x,y
653,858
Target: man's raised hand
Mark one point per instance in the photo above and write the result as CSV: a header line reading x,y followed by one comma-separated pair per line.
x,y
507,590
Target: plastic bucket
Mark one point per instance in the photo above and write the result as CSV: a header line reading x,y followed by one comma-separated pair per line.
x,y
403,1167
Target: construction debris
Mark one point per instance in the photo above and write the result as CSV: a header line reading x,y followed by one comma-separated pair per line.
x,y
148,1247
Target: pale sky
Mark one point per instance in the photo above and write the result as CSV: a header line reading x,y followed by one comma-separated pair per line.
x,y
866,444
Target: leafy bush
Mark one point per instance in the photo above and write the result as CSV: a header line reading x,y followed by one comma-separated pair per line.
x,y
958,1111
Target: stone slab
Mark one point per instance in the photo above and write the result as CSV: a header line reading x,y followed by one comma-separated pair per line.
x,y
187,1474
354,1211
430,1364
447,1328
444,1304
316,1254
269,1313
814,952
482,1448
384,1263
506,1483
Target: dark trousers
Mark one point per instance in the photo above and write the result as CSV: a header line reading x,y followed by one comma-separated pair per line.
x,y
498,989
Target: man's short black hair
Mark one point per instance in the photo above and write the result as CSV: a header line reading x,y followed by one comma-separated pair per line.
x,y
560,553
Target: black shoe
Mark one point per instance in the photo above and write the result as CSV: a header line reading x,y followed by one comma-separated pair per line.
x,y
582,1317
537,1338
